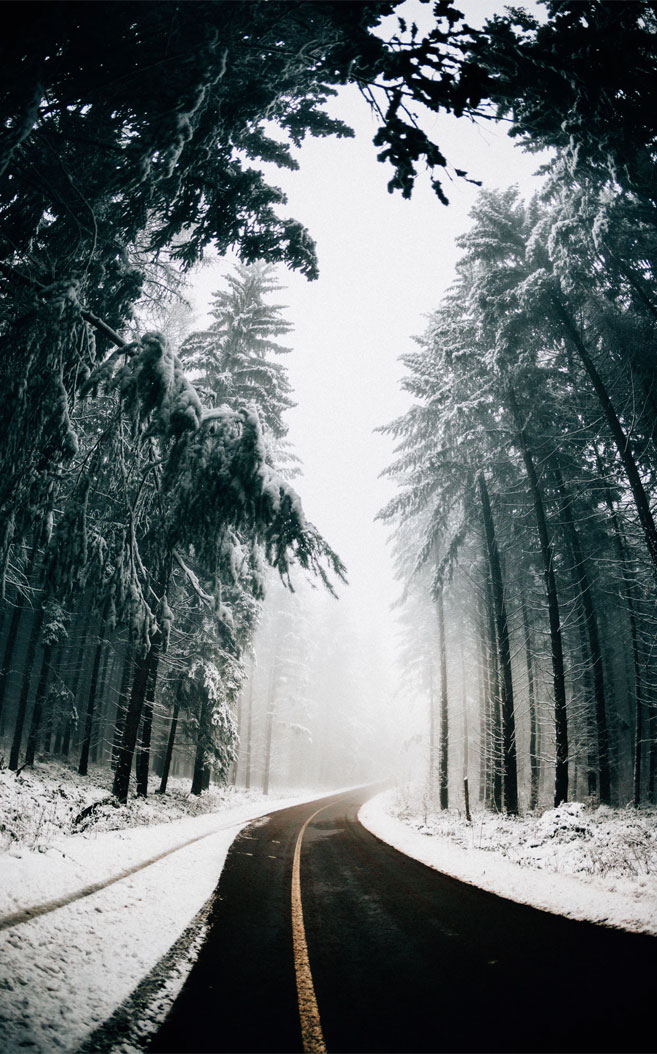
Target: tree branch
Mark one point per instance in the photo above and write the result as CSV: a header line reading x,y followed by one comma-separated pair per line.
x,y
9,271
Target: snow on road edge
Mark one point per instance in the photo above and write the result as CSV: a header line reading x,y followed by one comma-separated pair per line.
x,y
563,894
64,973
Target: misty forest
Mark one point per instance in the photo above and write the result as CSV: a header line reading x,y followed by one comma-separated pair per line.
x,y
147,487
170,618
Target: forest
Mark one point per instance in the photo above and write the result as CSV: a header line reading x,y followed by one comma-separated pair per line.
x,y
154,551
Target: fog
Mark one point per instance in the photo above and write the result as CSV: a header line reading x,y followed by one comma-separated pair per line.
x,y
350,711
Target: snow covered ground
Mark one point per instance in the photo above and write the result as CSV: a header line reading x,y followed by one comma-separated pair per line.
x,y
132,886
63,973
598,864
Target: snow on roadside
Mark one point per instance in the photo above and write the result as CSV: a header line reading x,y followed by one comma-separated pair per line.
x,y
598,865
66,972
50,799
76,977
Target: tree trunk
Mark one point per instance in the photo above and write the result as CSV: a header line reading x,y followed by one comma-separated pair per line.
x,y
466,745
269,726
556,644
25,690
246,713
83,767
433,760
652,757
484,695
66,737
269,731
143,755
145,671
39,700
96,745
12,637
52,717
495,758
131,726
502,630
593,637
237,764
638,712
59,735
122,704
170,741
631,602
443,765
534,759
249,728
75,685
201,767
591,734
10,646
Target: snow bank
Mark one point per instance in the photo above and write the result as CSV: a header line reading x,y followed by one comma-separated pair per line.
x,y
67,971
543,861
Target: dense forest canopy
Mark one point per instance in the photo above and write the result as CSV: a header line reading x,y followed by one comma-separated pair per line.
x,y
146,485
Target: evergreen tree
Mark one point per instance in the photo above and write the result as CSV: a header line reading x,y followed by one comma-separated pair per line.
x,y
234,361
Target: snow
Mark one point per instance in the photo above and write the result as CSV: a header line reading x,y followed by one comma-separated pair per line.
x,y
101,971
597,864
65,972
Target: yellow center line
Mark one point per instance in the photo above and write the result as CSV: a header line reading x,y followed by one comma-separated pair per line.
x,y
311,1028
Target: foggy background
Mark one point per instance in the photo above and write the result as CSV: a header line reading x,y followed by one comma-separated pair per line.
x,y
384,265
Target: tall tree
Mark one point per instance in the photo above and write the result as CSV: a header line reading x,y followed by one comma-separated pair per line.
x,y
510,774
443,770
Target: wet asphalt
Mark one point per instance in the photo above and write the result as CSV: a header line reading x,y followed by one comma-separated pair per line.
x,y
404,959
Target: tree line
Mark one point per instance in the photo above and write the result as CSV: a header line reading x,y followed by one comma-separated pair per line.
x,y
527,466
145,485
147,584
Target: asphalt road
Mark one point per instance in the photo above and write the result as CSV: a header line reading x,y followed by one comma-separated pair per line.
x,y
403,958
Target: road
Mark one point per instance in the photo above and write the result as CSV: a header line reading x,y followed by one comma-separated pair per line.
x,y
401,957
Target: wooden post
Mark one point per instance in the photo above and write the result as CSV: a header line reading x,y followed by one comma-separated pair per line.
x,y
466,795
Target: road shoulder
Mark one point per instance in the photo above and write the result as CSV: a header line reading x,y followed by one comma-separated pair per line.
x,y
562,894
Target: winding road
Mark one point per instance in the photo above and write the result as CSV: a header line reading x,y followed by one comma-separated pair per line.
x,y
321,937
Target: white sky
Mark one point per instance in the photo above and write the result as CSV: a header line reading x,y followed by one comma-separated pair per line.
x,y
384,265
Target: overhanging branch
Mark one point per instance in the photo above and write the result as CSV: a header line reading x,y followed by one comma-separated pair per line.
x,y
12,272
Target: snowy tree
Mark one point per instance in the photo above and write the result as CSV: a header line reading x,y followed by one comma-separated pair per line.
x,y
509,390
235,360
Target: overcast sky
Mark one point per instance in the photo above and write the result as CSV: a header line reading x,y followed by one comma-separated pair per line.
x,y
384,265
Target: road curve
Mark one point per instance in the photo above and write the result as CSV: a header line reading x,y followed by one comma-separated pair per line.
x,y
403,958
